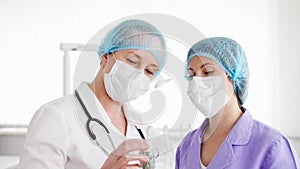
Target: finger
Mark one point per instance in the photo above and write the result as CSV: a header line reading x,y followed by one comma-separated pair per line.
x,y
137,156
124,160
120,158
110,161
131,145
131,167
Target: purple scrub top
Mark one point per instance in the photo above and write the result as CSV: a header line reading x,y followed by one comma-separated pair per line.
x,y
249,145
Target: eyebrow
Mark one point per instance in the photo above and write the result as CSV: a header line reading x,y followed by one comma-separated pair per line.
x,y
138,56
200,66
154,65
205,65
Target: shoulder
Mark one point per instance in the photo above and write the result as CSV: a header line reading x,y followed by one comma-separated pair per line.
x,y
258,133
188,139
60,105
276,144
266,133
53,111
60,102
47,136
265,136
186,148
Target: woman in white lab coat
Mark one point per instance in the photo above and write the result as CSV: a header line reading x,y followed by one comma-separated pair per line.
x,y
60,136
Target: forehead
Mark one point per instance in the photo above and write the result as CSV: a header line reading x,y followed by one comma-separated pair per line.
x,y
145,57
201,60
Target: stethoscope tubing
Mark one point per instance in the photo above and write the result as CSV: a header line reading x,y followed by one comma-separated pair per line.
x,y
90,120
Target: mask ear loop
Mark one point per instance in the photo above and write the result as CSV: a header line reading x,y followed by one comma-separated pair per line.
x,y
112,69
228,76
205,136
114,55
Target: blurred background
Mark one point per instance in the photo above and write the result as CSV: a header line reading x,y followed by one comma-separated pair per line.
x,y
31,62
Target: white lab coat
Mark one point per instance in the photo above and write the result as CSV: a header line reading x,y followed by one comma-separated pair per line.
x,y
57,137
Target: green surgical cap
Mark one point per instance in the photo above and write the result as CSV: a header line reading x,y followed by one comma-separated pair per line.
x,y
229,55
135,34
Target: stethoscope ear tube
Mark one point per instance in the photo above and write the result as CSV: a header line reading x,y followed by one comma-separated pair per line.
x,y
82,105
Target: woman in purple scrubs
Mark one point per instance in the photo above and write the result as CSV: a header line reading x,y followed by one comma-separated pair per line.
x,y
218,75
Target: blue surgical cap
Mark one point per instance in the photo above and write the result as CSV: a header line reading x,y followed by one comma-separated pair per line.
x,y
229,55
135,34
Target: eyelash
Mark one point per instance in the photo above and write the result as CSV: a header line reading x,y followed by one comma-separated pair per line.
x,y
148,71
208,72
131,61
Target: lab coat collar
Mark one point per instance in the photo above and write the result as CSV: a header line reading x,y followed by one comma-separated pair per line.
x,y
192,155
224,156
239,135
92,103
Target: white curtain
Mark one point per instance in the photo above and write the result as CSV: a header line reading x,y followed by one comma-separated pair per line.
x,y
31,62
287,90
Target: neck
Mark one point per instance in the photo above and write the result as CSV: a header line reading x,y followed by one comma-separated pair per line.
x,y
220,125
113,109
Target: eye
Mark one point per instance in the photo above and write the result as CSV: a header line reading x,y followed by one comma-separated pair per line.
x,y
209,72
131,61
148,71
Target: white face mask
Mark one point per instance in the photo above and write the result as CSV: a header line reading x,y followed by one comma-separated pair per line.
x,y
208,94
125,83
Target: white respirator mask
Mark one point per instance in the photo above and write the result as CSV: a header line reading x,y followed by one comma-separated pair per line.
x,y
125,83
208,94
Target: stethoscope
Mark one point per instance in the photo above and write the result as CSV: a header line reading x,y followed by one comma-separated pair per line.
x,y
90,132
88,126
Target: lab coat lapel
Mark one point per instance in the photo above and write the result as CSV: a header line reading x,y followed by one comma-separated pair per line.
x,y
239,135
192,158
224,156
132,119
